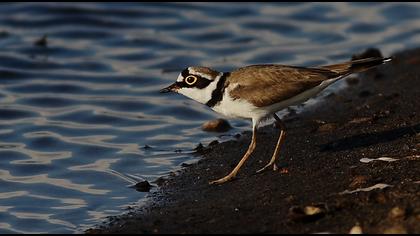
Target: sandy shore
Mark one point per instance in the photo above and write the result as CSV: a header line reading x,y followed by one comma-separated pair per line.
x,y
327,181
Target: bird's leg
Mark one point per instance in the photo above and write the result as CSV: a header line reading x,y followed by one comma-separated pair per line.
x,y
242,161
280,142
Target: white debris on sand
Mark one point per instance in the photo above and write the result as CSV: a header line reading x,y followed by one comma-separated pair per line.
x,y
376,186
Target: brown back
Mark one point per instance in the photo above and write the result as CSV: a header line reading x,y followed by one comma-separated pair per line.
x,y
264,85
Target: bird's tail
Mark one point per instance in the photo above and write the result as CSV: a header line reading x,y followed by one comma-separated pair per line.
x,y
357,65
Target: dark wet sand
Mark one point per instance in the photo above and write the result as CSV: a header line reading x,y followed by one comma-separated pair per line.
x,y
378,115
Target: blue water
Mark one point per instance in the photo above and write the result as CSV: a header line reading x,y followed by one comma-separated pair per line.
x,y
77,115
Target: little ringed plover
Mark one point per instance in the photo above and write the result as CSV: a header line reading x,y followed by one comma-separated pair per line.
x,y
258,91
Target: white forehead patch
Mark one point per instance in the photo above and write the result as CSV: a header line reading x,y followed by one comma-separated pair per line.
x,y
180,78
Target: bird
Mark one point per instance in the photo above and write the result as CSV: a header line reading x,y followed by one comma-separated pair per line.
x,y
257,92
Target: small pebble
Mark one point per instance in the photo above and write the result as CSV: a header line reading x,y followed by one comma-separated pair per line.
x,y
396,212
306,214
311,210
42,42
185,165
218,125
356,230
143,186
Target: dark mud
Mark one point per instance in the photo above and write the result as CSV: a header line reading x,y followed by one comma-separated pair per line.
x,y
323,169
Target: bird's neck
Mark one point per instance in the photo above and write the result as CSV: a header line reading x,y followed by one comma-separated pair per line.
x,y
218,88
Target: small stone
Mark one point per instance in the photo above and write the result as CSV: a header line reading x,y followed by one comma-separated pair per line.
x,y
356,230
306,214
143,186
218,125
42,42
311,210
185,165
396,213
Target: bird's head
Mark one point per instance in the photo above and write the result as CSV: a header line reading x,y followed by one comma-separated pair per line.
x,y
197,83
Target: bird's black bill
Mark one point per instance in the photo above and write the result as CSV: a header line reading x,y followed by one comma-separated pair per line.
x,y
171,88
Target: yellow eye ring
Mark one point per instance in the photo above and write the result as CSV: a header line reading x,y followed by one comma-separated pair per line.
x,y
191,79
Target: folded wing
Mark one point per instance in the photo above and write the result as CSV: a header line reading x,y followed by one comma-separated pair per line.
x,y
265,85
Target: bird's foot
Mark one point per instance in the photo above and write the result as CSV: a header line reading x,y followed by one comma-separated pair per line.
x,y
275,168
223,180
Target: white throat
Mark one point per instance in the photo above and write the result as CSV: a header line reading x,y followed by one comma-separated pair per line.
x,y
201,95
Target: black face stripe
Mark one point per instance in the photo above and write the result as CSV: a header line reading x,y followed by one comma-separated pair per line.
x,y
217,94
201,82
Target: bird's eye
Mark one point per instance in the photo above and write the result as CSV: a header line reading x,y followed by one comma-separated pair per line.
x,y
191,79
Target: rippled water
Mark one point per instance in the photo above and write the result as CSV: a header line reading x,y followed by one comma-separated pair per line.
x,y
81,118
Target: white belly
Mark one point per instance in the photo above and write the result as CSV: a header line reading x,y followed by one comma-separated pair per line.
x,y
235,108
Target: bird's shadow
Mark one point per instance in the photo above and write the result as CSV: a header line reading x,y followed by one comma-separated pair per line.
x,y
363,140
